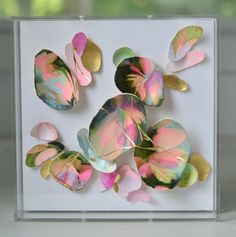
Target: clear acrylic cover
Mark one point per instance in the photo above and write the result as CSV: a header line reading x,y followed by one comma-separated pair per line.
x,y
196,110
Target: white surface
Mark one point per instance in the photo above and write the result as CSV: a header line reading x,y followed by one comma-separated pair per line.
x,y
194,110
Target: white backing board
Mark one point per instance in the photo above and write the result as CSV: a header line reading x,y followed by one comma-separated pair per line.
x,y
193,109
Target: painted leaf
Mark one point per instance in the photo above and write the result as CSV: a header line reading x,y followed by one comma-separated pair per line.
x,y
192,58
189,176
202,166
129,181
175,83
138,196
121,54
141,77
108,180
79,41
38,154
118,126
91,57
183,41
53,81
45,169
104,166
71,170
78,71
163,154
45,131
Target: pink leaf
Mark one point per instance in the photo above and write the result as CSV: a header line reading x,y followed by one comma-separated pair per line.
x,y
45,155
129,181
79,72
108,179
44,131
79,42
138,196
192,58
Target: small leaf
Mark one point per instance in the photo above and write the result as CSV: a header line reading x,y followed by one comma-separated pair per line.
x,y
183,41
79,41
138,196
45,131
91,57
129,181
189,176
71,170
42,152
117,126
45,169
175,83
53,81
191,59
121,54
141,77
202,166
78,71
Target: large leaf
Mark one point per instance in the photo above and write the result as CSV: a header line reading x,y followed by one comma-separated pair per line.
x,y
163,154
38,154
118,126
184,41
104,166
141,77
53,81
71,170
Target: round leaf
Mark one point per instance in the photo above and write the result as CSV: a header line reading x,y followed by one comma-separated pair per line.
x,y
117,126
141,77
163,154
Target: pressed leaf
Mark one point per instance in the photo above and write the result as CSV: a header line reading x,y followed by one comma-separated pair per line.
x,y
118,126
71,170
42,152
138,196
45,169
192,58
53,81
202,166
79,41
44,131
78,71
121,54
175,83
183,41
141,77
91,156
129,181
163,154
91,57
189,176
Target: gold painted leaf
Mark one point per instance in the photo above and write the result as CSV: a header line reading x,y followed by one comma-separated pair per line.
x,y
175,83
45,169
202,166
91,57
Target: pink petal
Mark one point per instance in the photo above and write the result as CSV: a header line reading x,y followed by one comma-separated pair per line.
x,y
44,131
85,172
129,181
108,179
79,72
45,155
192,58
138,196
79,42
